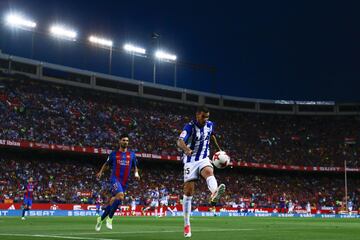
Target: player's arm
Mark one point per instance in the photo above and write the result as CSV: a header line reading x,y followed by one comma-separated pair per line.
x,y
136,174
136,170
185,134
103,167
182,145
22,191
215,142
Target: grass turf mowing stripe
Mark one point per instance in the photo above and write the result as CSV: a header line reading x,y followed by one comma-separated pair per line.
x,y
53,236
160,231
204,228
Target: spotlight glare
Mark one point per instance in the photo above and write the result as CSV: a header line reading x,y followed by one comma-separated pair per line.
x,y
134,49
101,41
19,21
164,55
63,32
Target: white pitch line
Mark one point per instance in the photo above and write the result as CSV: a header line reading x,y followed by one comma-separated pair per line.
x,y
53,236
165,231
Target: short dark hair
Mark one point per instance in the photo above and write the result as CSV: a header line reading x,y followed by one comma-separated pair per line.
x,y
124,135
202,109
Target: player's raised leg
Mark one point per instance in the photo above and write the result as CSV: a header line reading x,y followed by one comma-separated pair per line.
x,y
216,191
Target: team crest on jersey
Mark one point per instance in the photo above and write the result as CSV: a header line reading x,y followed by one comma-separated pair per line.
x,y
201,136
183,134
123,162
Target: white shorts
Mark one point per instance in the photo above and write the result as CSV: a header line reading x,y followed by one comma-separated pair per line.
x,y
154,204
133,207
192,169
164,203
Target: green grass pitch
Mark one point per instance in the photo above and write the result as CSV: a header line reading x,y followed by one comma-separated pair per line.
x,y
203,228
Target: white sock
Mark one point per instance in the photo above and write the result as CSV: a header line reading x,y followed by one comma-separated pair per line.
x,y
212,184
161,211
187,209
156,212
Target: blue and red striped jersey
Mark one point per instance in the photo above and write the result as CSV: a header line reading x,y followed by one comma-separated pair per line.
x,y
121,163
29,190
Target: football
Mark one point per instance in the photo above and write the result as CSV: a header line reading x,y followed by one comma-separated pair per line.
x,y
220,159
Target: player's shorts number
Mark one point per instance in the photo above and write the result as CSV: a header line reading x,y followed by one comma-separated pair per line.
x,y
192,170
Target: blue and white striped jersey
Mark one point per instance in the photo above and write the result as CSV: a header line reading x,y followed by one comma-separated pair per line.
x,y
155,195
197,139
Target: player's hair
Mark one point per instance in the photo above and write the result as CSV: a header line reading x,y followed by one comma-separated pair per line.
x,y
124,135
202,109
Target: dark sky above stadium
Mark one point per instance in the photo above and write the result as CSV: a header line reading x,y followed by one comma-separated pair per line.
x,y
298,50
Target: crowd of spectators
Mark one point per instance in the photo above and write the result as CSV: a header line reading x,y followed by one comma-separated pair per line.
x,y
56,114
62,180
48,113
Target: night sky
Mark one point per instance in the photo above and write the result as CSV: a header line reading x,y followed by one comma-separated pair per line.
x,y
298,50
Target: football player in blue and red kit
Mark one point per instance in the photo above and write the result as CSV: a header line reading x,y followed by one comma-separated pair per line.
x,y
120,161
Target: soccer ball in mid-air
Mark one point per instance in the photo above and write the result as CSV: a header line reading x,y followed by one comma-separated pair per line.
x,y
221,159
